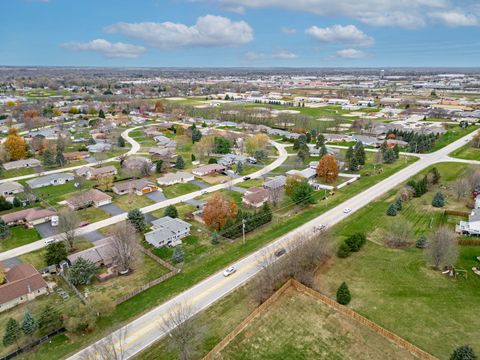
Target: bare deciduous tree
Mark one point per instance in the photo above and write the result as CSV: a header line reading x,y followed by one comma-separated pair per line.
x,y
67,223
461,187
399,234
180,328
124,244
275,195
442,248
111,347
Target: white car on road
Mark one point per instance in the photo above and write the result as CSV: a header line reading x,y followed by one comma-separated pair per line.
x,y
347,210
229,271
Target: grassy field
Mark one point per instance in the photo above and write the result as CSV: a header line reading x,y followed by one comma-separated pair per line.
x,y
173,191
466,152
19,236
132,201
300,327
454,133
214,259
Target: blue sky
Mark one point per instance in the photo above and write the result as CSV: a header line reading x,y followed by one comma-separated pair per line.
x,y
251,33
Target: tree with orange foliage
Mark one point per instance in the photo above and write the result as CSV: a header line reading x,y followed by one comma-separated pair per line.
x,y
159,108
327,168
31,114
15,145
218,211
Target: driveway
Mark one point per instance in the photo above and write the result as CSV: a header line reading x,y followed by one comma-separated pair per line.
x,y
197,203
200,184
9,263
46,230
90,159
238,189
112,209
156,196
93,236
149,218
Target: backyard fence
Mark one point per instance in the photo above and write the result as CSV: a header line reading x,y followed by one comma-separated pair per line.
x,y
456,213
31,345
215,352
74,288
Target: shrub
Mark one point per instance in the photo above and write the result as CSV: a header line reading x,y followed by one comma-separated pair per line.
x,y
343,294
438,200
356,241
343,250
421,243
392,210
464,352
398,204
215,238
177,256
81,271
171,211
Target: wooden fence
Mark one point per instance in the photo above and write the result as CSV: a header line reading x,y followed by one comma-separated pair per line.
x,y
74,288
456,213
258,311
416,351
215,352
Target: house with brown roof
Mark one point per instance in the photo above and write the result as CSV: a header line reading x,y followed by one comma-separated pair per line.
x,y
209,169
139,187
136,163
102,254
75,155
28,217
255,197
90,173
92,197
22,283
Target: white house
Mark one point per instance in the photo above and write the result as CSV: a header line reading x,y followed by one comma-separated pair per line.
x,y
167,231
175,178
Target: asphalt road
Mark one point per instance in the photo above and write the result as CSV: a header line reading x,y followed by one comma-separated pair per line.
x,y
143,331
159,205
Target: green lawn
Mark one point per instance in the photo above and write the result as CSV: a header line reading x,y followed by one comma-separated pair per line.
x,y
92,215
454,133
132,201
466,152
55,194
215,259
19,236
173,191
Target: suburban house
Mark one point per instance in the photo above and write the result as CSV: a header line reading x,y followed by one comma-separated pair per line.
x,y
275,183
22,283
231,159
28,217
365,139
99,147
255,197
20,164
472,226
10,188
167,231
167,154
175,178
50,180
307,173
139,187
92,197
209,169
93,173
164,141
102,254
136,163
75,155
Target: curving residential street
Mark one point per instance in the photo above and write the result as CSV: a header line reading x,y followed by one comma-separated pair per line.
x,y
146,329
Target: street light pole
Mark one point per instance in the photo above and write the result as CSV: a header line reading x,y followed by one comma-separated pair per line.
x,y
243,230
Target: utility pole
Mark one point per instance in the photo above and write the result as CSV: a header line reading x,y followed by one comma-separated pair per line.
x,y
243,230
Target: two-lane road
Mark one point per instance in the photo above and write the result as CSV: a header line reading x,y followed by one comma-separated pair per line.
x,y
145,330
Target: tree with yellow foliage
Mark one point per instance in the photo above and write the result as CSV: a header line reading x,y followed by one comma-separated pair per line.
x,y
327,168
15,145
255,143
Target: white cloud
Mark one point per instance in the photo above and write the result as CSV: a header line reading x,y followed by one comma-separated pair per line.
x,y
209,31
350,54
349,34
287,30
275,55
455,18
108,49
401,13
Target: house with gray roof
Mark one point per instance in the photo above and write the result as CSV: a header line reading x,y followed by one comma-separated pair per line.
x,y
10,188
167,231
50,180
275,183
20,164
175,178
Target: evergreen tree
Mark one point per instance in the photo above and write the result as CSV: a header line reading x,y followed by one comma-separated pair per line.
x,y
396,151
171,211
389,156
196,135
137,219
398,205
193,158
303,153
91,141
81,271
49,320
266,213
60,159
55,252
121,142
343,294
215,238
323,151
296,144
320,141
48,157
349,155
438,200
464,352
4,230
16,202
29,324
212,161
308,137
180,163
303,193
353,164
359,151
343,250
239,168
392,210
177,256
12,333
101,114
158,166
435,175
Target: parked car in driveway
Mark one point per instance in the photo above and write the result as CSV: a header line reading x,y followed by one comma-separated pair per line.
x,y
347,210
229,271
